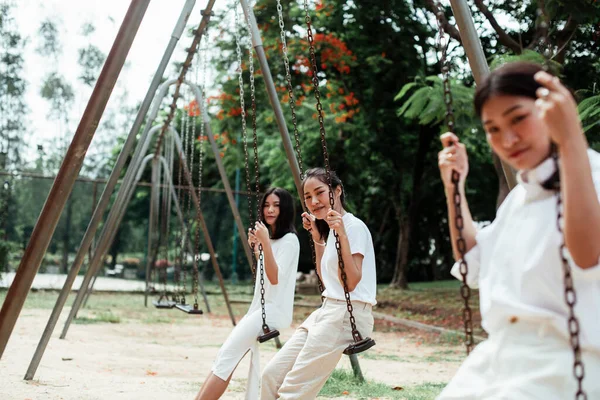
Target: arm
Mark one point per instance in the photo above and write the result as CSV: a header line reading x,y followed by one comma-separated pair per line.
x,y
308,222
581,206
352,264
454,157
269,263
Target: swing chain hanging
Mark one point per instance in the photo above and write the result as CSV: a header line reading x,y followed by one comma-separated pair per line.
x,y
315,80
261,260
290,87
292,103
244,130
465,290
571,300
570,294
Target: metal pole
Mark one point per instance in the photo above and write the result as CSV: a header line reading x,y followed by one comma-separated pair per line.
x,y
152,220
477,61
234,275
90,253
236,213
70,167
108,189
273,98
87,180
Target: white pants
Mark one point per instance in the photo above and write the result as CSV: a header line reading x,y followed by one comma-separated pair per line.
x,y
300,369
527,360
240,341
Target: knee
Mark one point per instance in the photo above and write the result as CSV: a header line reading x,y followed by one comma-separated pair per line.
x,y
271,381
269,373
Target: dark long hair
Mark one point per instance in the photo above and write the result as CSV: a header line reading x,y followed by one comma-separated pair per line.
x,y
287,212
513,79
321,175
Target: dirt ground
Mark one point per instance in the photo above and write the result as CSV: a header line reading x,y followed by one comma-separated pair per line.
x,y
137,360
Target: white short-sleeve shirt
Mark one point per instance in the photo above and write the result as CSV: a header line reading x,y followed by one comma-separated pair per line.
x,y
517,267
361,242
279,299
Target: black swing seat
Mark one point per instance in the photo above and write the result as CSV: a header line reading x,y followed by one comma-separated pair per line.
x,y
359,347
189,309
268,335
163,303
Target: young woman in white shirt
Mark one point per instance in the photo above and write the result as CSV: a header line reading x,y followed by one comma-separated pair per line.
x,y
281,249
300,369
528,114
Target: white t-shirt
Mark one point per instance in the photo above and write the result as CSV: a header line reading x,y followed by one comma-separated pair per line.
x,y
517,267
279,299
361,242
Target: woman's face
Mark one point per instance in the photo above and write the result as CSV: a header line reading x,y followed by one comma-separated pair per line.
x,y
316,196
515,131
271,209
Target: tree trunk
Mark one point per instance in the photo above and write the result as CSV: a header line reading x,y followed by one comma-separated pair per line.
x,y
426,136
399,278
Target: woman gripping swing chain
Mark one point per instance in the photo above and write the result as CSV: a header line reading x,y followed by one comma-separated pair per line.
x,y
301,368
281,249
528,115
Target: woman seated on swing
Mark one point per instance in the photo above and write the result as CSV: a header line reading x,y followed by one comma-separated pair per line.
x,y
300,369
281,249
528,115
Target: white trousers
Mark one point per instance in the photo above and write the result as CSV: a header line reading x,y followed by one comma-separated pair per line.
x,y
241,340
300,369
528,360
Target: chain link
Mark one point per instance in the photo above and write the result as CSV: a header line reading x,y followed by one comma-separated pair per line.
x,y
292,104
571,300
315,80
570,294
256,169
238,51
465,290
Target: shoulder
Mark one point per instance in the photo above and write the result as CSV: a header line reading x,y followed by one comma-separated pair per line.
x,y
355,224
290,238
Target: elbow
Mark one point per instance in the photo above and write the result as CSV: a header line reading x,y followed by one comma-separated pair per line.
x,y
585,261
273,279
353,284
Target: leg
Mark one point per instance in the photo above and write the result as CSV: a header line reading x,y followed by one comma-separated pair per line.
x,y
324,347
241,340
280,364
213,388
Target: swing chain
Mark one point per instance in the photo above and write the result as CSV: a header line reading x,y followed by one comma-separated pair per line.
x,y
315,80
571,300
244,131
570,294
256,171
290,87
465,290
292,103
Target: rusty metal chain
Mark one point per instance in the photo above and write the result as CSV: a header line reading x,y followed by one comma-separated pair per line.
x,y
244,133
570,294
290,87
256,170
465,290
315,80
571,300
292,104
